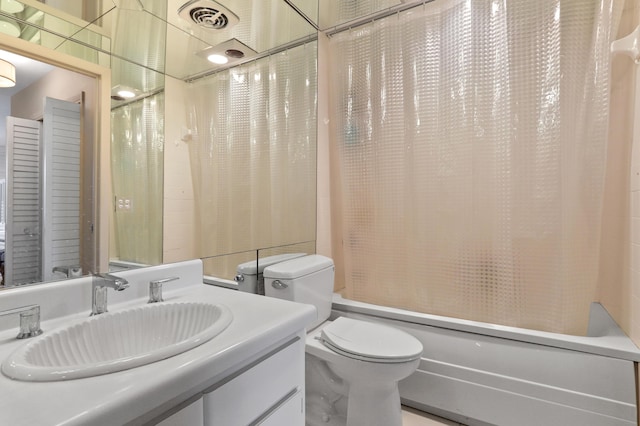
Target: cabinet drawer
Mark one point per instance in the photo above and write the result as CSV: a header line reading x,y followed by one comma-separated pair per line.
x,y
290,413
191,415
258,390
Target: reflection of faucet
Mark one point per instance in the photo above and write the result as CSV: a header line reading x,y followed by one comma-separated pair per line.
x,y
72,271
29,320
100,284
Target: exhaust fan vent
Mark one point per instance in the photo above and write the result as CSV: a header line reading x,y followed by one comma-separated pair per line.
x,y
208,14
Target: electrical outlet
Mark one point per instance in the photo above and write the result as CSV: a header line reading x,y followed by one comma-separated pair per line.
x,y
124,204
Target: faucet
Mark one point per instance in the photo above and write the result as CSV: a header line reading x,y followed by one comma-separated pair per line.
x,y
29,320
155,289
100,283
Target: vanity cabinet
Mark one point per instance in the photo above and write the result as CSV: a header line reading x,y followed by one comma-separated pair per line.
x,y
269,391
192,415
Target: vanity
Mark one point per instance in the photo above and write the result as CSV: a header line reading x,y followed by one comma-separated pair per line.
x,y
250,373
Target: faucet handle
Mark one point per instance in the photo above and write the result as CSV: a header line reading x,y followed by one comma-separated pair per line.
x,y
155,288
29,320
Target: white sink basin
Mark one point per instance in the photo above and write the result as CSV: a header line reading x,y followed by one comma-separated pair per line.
x,y
117,341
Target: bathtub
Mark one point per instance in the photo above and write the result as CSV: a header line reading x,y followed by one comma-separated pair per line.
x,y
478,373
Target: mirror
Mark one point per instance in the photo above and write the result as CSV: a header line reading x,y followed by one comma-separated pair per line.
x,y
147,54
239,147
74,81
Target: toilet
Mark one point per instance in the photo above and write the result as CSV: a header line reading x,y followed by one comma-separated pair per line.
x,y
352,366
249,275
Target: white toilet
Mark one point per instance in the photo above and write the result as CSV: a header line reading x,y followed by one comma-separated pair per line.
x,y
250,274
353,366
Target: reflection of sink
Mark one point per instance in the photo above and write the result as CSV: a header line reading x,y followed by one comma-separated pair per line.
x,y
117,341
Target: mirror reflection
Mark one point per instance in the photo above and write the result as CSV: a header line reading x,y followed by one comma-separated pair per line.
x,y
46,224
239,147
208,160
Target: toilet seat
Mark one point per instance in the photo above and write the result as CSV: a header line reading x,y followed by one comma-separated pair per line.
x,y
367,341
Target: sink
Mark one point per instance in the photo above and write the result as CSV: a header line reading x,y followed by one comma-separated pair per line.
x,y
117,341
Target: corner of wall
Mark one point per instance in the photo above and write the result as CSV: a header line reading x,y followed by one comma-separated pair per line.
x,y
179,211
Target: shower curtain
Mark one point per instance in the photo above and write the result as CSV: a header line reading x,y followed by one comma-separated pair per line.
x,y
137,173
253,154
472,144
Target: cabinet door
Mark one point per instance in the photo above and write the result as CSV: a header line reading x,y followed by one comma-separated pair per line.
x,y
259,391
191,415
291,413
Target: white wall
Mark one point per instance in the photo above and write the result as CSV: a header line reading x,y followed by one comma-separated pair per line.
x,y
179,211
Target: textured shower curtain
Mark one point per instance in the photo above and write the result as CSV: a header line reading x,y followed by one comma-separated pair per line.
x,y
137,173
472,144
253,153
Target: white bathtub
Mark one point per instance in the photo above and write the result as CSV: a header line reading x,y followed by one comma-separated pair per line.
x,y
477,373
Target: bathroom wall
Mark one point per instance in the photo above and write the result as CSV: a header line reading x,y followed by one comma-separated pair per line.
x,y
628,311
619,287
179,214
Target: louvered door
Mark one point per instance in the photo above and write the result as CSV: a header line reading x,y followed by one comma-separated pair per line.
x,y
22,233
61,186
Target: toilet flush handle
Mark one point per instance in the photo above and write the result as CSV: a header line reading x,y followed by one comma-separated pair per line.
x,y
279,285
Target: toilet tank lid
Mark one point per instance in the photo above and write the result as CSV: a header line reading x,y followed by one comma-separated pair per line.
x,y
254,268
298,267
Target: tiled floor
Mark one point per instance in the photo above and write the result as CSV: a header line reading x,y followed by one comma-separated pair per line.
x,y
411,417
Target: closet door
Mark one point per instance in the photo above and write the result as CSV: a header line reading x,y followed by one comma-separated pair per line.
x,y
22,232
61,154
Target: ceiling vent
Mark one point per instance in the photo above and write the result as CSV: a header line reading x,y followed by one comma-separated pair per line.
x,y
208,14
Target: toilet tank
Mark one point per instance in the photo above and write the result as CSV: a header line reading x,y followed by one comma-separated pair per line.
x,y
250,274
307,279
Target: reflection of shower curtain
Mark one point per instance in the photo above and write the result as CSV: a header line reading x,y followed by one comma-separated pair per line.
x,y
137,164
253,154
472,139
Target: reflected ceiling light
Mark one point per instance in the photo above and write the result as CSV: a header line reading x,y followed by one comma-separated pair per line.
x,y
127,94
217,58
123,93
229,52
7,74
11,6
9,27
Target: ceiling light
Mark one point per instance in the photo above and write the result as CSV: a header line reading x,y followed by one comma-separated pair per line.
x,y
122,92
230,52
7,74
9,27
11,6
127,94
217,58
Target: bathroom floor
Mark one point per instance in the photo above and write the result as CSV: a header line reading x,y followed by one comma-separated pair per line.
x,y
412,417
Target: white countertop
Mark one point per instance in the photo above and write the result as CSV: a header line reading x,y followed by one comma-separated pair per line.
x,y
259,325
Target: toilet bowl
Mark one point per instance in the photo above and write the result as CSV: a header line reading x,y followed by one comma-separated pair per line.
x,y
353,366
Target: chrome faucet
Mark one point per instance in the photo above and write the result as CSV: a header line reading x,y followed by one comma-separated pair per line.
x,y
29,320
155,289
100,284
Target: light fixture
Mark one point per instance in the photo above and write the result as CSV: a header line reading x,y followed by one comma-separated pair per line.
x,y
7,74
11,6
217,59
9,27
230,52
127,94
123,93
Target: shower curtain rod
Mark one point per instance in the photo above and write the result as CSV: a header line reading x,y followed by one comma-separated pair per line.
x,y
301,13
376,16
